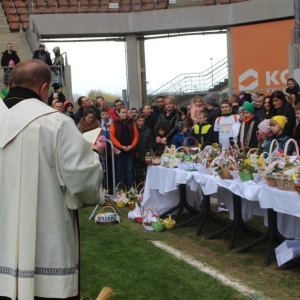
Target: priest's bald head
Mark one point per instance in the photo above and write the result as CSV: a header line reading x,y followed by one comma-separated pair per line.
x,y
33,74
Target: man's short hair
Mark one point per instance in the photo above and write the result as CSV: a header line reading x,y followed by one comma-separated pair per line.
x,y
118,100
204,113
100,97
141,116
235,98
31,74
160,97
297,107
226,102
79,100
104,110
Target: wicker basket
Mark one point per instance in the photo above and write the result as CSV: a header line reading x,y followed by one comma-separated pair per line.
x,y
156,160
192,149
121,203
158,226
285,184
246,176
225,174
105,218
271,181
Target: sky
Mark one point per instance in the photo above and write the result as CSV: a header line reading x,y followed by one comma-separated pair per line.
x,y
102,65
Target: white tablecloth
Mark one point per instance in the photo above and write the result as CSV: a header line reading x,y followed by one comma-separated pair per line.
x,y
161,191
161,188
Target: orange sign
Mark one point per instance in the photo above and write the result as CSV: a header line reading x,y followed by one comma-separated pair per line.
x,y
260,55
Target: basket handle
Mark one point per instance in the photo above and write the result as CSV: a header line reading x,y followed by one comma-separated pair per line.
x,y
287,145
244,149
190,137
271,147
137,187
124,185
109,207
252,150
155,153
182,147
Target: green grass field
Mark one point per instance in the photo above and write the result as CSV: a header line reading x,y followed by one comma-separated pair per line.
x,y
122,257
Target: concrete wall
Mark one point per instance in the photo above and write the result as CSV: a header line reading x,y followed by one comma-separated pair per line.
x,y
162,21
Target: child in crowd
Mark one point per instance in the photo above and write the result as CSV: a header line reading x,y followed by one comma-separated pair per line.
x,y
106,121
263,133
277,124
195,108
181,135
203,131
143,148
247,137
124,136
161,131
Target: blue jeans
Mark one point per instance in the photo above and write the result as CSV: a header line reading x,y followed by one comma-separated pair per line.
x,y
124,165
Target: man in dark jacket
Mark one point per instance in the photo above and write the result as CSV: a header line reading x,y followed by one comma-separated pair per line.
x,y
43,55
84,103
9,55
214,110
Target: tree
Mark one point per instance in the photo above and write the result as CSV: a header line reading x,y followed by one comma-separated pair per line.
x,y
93,94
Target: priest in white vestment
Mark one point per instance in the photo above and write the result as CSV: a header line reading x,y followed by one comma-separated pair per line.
x,y
47,172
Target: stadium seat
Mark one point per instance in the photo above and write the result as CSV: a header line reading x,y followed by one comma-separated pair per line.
x,y
84,8
41,3
161,5
125,7
148,6
9,10
21,11
104,9
225,1
209,2
236,1
137,7
94,3
20,4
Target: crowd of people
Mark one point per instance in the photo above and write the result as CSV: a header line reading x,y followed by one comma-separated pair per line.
x,y
39,261
247,120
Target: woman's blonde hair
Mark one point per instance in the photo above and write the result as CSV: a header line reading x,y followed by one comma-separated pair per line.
x,y
170,99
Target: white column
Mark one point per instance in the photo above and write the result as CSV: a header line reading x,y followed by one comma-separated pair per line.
x,y
133,71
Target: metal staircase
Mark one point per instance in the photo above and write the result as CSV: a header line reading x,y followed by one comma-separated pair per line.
x,y
213,79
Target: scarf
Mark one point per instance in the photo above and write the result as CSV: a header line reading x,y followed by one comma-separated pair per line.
x,y
85,127
18,94
247,120
245,136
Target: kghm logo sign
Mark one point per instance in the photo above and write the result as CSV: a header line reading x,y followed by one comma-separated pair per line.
x,y
251,79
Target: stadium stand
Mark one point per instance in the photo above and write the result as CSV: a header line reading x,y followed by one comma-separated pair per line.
x,y
17,12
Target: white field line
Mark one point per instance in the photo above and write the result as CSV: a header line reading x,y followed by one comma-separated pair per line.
x,y
208,270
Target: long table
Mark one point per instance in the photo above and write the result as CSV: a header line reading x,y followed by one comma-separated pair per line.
x,y
280,209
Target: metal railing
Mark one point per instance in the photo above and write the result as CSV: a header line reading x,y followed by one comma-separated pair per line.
x,y
57,75
191,83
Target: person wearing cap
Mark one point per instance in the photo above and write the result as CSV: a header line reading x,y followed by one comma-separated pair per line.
x,y
278,124
226,126
43,55
57,94
263,133
247,137
68,109
214,110
181,135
